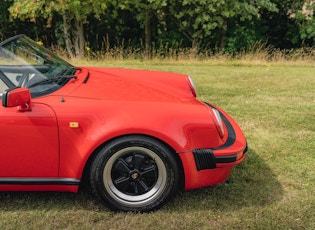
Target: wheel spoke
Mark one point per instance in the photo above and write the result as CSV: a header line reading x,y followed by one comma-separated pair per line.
x,y
134,188
141,187
122,183
121,166
138,161
150,172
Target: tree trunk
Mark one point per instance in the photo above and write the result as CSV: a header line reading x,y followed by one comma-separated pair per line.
x,y
222,39
223,35
78,37
66,36
81,39
194,47
147,31
74,37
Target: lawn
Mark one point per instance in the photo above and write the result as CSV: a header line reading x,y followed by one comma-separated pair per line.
x,y
272,189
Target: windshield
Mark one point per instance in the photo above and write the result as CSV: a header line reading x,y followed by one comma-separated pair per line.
x,y
24,63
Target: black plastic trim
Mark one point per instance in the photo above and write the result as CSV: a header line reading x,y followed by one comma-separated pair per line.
x,y
232,136
5,97
226,159
86,78
39,181
204,159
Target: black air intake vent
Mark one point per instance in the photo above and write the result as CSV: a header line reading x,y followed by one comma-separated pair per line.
x,y
204,159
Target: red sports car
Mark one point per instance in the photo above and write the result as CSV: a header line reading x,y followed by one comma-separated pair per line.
x,y
136,136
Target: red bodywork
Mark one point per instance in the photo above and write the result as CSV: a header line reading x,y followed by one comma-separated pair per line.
x,y
47,144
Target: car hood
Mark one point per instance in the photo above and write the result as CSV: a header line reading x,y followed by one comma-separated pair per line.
x,y
127,84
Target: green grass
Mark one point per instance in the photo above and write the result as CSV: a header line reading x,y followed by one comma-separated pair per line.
x,y
272,189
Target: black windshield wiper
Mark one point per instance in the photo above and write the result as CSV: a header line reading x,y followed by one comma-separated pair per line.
x,y
64,70
50,80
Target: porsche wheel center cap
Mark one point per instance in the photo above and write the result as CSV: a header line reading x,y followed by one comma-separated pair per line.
x,y
134,175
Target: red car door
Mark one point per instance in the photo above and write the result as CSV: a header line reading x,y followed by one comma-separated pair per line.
x,y
29,142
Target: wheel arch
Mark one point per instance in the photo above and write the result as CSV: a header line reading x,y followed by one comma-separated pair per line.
x,y
87,166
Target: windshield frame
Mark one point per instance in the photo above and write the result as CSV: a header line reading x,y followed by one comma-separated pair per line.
x,y
25,62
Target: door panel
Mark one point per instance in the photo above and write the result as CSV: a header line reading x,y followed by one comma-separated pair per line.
x,y
29,142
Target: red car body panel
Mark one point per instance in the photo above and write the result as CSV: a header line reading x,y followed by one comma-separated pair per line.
x,y
31,142
47,143
96,126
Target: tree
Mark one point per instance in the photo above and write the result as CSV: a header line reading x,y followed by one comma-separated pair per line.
x,y
281,28
306,19
4,18
200,19
74,14
145,11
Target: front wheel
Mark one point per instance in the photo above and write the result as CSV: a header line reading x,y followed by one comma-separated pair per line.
x,y
134,173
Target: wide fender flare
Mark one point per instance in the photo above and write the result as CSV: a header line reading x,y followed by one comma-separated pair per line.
x,y
182,128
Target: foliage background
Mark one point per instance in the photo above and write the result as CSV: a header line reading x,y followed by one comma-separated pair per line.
x,y
161,26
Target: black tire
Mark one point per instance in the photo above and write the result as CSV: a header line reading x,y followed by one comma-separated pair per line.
x,y
134,173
